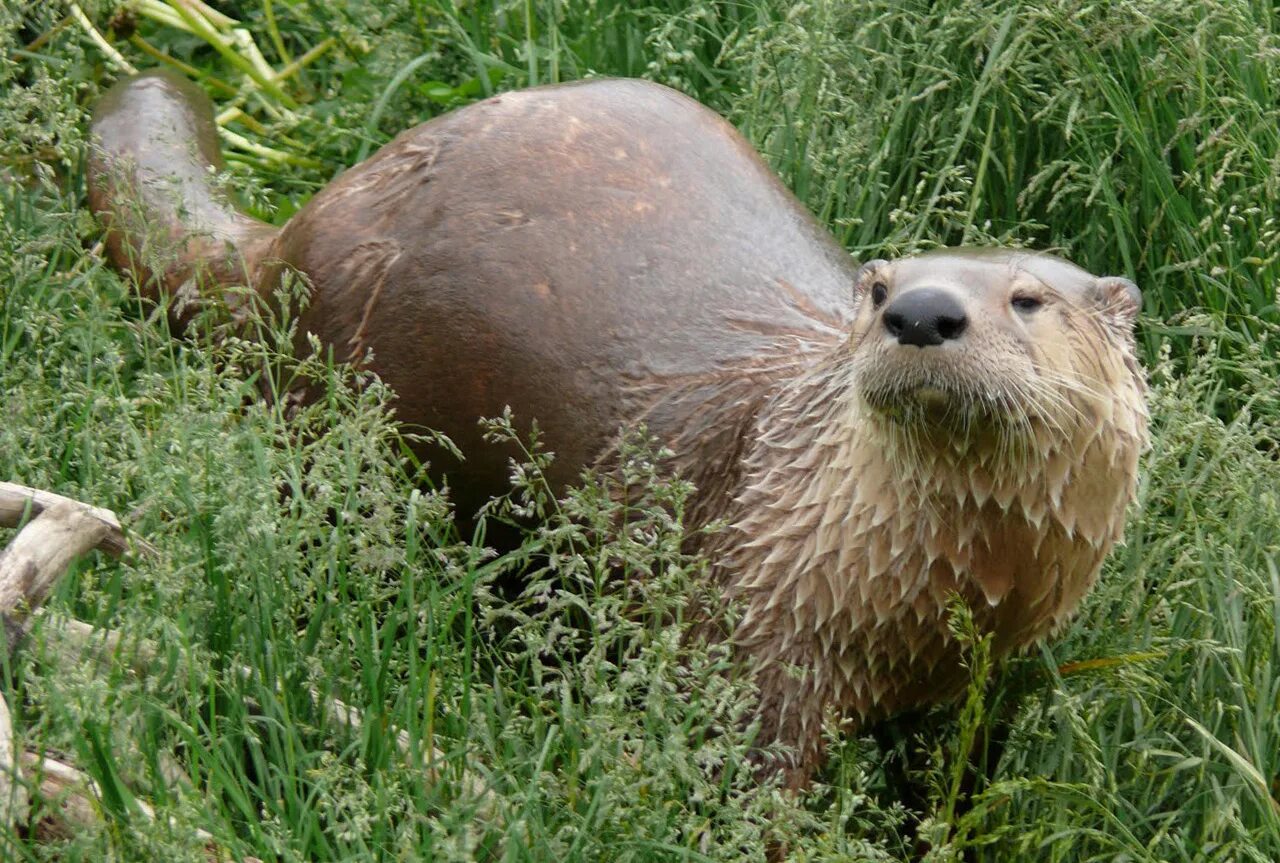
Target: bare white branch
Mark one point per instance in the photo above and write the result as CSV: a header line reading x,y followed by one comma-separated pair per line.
x,y
74,793
13,795
41,553
17,501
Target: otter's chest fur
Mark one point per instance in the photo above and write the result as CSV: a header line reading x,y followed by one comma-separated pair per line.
x,y
851,532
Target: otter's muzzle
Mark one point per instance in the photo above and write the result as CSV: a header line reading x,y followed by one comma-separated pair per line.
x,y
925,317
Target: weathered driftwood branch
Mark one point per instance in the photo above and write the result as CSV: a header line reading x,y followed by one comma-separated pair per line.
x,y
13,795
59,531
74,793
17,501
65,791
41,553
73,642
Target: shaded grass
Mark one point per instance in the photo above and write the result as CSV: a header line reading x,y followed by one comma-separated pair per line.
x,y
1138,137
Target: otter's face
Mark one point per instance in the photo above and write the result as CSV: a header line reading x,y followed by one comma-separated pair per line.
x,y
974,338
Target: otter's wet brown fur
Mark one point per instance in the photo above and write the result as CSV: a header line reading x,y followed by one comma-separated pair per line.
x,y
611,252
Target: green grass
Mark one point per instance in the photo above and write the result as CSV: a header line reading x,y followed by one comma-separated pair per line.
x,y
1137,137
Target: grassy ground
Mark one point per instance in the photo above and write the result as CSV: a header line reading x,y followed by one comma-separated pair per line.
x,y
1138,137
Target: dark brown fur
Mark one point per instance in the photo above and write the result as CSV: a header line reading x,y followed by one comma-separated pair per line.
x,y
585,254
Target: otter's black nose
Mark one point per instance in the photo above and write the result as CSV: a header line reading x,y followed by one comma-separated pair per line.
x,y
925,317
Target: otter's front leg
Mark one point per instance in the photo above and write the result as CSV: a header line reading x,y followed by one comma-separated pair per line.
x,y
794,695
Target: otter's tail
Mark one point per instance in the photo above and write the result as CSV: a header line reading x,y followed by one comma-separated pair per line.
x,y
151,182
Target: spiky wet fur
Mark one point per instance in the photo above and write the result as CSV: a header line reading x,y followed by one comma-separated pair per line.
x,y
861,510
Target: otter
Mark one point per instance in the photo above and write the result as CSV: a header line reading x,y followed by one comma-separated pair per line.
x,y
608,253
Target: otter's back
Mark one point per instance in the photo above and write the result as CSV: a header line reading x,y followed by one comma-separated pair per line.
x,y
586,253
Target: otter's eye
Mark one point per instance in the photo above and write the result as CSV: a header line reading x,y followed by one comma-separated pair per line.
x,y
878,294
1024,303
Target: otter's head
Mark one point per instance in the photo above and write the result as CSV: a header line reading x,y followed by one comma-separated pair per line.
x,y
974,346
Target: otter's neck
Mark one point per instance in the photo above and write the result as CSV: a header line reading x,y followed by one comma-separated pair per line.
x,y
851,530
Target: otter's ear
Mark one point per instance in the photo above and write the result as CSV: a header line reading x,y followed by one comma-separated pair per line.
x,y
1118,299
866,277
